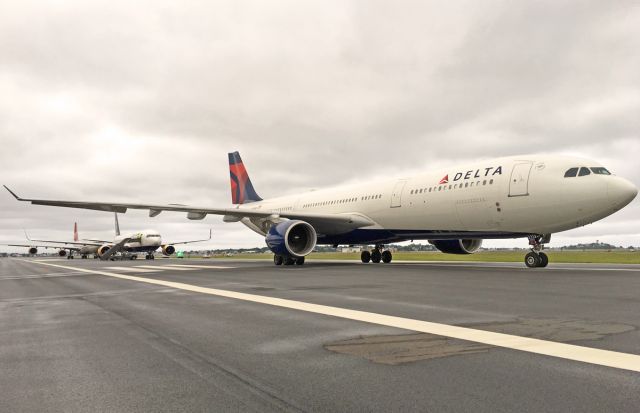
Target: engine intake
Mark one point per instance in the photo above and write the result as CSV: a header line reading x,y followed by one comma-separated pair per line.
x,y
62,253
33,250
103,249
458,246
292,238
168,249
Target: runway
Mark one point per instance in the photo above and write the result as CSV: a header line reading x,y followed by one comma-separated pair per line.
x,y
231,335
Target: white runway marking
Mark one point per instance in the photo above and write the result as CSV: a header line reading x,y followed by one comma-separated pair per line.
x,y
131,269
162,267
600,357
213,267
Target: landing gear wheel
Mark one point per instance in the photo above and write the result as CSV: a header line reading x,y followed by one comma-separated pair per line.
x,y
289,261
386,256
376,256
146,257
365,256
152,257
532,260
544,259
277,259
84,257
300,261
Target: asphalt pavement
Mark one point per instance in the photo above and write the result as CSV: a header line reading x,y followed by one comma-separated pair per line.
x,y
231,335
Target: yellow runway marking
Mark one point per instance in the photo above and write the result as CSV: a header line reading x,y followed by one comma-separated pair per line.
x,y
596,356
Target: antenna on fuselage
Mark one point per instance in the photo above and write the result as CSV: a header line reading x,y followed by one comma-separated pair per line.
x,y
115,214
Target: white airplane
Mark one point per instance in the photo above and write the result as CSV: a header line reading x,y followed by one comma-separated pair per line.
x,y
147,241
456,208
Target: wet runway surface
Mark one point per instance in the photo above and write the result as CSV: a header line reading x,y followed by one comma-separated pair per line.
x,y
75,337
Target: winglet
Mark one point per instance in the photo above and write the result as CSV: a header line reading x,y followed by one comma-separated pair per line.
x,y
13,193
210,230
26,235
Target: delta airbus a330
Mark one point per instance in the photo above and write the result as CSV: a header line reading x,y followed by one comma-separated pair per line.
x,y
530,196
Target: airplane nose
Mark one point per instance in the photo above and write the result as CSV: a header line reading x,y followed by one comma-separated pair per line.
x,y
621,192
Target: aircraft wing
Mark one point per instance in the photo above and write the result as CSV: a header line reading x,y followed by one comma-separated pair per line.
x,y
57,247
189,242
93,243
341,222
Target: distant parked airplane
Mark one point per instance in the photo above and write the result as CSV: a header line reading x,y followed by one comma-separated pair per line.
x,y
528,196
147,241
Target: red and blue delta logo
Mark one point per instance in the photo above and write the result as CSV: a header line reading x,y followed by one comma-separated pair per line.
x,y
478,173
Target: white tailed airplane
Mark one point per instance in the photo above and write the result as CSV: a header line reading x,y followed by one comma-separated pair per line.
x,y
456,208
147,241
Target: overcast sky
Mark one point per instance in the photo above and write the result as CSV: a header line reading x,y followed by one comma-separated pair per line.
x,y
141,101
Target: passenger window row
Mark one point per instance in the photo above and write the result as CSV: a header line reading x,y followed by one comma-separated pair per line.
x,y
583,171
342,201
451,186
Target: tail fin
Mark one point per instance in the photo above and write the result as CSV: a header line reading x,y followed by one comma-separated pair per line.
x,y
75,231
242,191
115,214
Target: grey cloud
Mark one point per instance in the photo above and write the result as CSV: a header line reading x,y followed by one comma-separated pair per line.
x,y
114,101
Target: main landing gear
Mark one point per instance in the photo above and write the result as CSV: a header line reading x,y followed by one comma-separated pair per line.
x,y
536,258
287,260
149,257
376,256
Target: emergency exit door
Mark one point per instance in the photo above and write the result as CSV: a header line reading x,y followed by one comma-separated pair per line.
x,y
519,183
396,195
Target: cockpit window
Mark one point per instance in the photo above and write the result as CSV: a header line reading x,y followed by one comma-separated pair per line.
x,y
153,236
600,171
584,171
571,173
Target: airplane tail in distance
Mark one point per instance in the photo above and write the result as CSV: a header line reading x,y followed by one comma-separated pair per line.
x,y
75,231
242,191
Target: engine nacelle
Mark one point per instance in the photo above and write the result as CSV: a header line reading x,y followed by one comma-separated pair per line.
x,y
458,246
292,238
103,249
62,253
168,249
33,250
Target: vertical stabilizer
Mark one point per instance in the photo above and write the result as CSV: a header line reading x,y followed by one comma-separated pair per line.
x,y
75,231
115,214
242,191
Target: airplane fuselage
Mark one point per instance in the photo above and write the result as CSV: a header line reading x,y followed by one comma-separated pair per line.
x,y
501,198
143,241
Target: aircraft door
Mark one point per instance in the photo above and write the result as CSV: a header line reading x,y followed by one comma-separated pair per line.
x,y
519,182
396,195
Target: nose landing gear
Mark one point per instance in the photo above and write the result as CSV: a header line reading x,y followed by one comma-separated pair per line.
x,y
536,258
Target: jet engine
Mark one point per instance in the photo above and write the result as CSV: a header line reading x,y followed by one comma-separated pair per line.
x,y
457,246
62,253
33,250
291,238
104,248
168,249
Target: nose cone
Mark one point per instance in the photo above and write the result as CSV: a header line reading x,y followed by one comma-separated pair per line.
x,y
621,192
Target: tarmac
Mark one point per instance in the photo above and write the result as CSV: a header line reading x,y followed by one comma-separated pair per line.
x,y
233,335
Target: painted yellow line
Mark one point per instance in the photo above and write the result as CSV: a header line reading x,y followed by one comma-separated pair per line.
x,y
600,357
